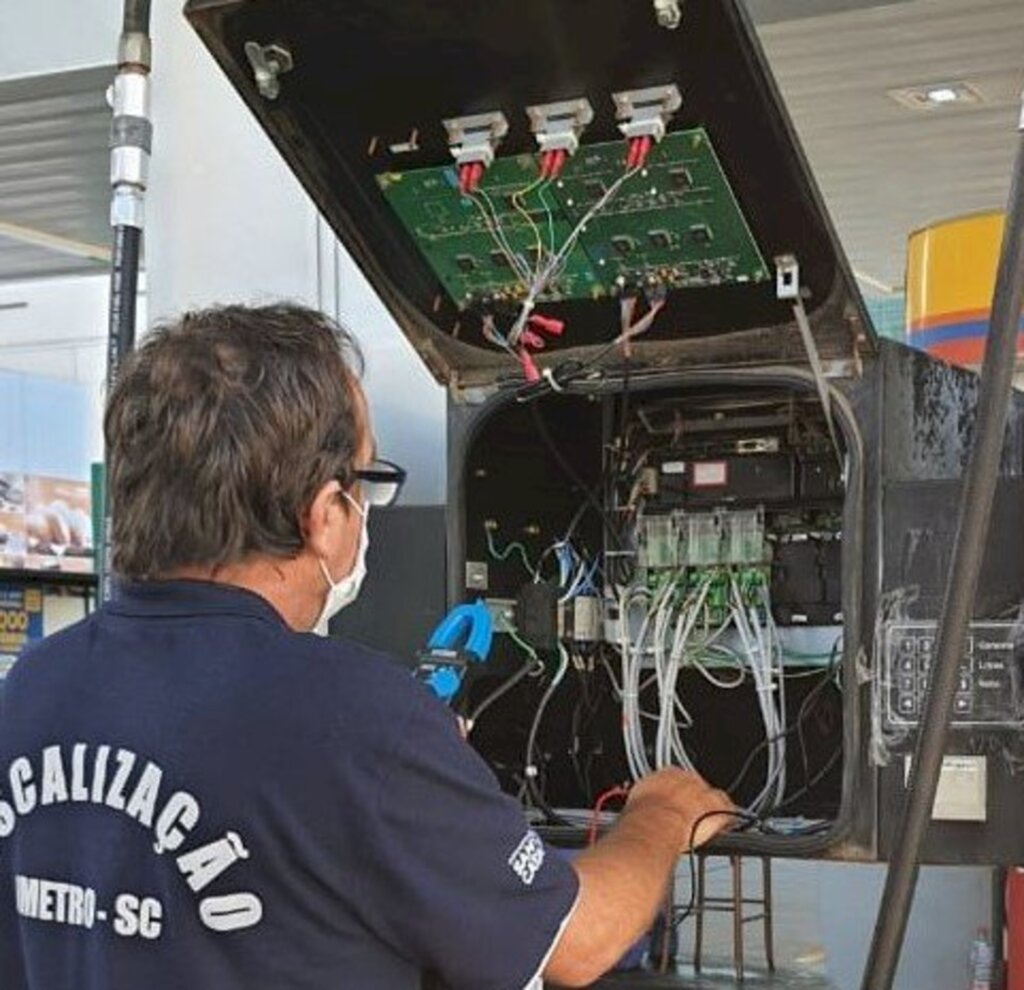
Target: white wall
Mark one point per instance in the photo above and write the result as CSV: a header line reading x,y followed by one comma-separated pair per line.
x,y
60,332
38,36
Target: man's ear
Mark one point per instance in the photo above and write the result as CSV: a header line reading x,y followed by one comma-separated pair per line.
x,y
321,520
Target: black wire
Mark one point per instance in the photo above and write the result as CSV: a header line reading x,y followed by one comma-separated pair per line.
x,y
585,713
743,816
797,726
564,374
748,821
577,518
501,690
813,782
573,475
536,792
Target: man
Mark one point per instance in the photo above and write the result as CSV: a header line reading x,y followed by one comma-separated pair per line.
x,y
196,793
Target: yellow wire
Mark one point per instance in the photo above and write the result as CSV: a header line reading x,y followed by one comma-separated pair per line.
x,y
493,228
517,202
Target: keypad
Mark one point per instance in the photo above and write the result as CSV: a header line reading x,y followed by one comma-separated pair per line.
x,y
988,690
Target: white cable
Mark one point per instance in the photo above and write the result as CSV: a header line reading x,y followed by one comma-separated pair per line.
x,y
636,759
775,641
540,282
670,744
665,633
698,665
761,689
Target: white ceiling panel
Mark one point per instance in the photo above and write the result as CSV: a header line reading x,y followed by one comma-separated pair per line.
x,y
886,170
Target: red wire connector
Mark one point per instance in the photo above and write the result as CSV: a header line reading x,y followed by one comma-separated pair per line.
x,y
546,324
470,176
602,800
552,163
558,127
530,370
646,143
558,160
473,142
639,149
532,340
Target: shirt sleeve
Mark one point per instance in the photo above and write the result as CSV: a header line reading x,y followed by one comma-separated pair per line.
x,y
466,888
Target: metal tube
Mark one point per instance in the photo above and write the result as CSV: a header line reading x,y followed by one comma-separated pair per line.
x,y
130,143
976,498
136,16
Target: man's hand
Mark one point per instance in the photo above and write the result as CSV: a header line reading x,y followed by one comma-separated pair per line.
x,y
623,877
689,797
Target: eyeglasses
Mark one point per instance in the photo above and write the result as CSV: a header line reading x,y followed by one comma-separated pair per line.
x,y
380,482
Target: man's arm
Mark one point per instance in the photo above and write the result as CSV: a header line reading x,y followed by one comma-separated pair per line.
x,y
623,878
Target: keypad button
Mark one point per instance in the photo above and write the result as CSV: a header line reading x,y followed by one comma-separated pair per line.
x,y
963,705
906,704
906,684
907,665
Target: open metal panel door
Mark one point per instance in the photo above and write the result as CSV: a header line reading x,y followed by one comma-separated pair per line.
x,y
354,94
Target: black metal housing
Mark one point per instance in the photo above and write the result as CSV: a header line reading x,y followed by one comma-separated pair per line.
x,y
365,74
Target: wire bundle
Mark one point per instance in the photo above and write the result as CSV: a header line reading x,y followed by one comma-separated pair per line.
x,y
527,331
670,635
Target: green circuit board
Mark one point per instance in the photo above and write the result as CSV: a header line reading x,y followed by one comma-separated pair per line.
x,y
674,225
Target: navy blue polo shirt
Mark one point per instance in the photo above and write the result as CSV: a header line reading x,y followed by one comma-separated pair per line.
x,y
194,796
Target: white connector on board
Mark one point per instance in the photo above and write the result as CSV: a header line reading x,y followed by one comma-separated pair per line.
x,y
646,112
474,140
558,126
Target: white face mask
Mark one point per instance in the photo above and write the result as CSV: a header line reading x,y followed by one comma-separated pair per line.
x,y
345,591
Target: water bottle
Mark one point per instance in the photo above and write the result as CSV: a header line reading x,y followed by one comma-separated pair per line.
x,y
982,959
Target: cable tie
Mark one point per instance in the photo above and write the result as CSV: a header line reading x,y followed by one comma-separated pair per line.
x,y
548,375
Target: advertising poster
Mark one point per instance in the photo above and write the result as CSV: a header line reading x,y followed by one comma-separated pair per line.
x,y
21,622
45,523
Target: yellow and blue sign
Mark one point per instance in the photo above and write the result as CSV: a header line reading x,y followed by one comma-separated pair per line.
x,y
21,622
951,277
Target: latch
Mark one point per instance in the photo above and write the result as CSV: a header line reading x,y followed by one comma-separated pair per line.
x,y
268,63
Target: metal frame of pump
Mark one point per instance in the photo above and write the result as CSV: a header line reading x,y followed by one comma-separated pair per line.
x,y
767,840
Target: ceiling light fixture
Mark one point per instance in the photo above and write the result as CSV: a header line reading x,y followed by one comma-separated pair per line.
x,y
936,96
943,94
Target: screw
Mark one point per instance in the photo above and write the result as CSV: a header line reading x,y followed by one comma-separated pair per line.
x,y
669,13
